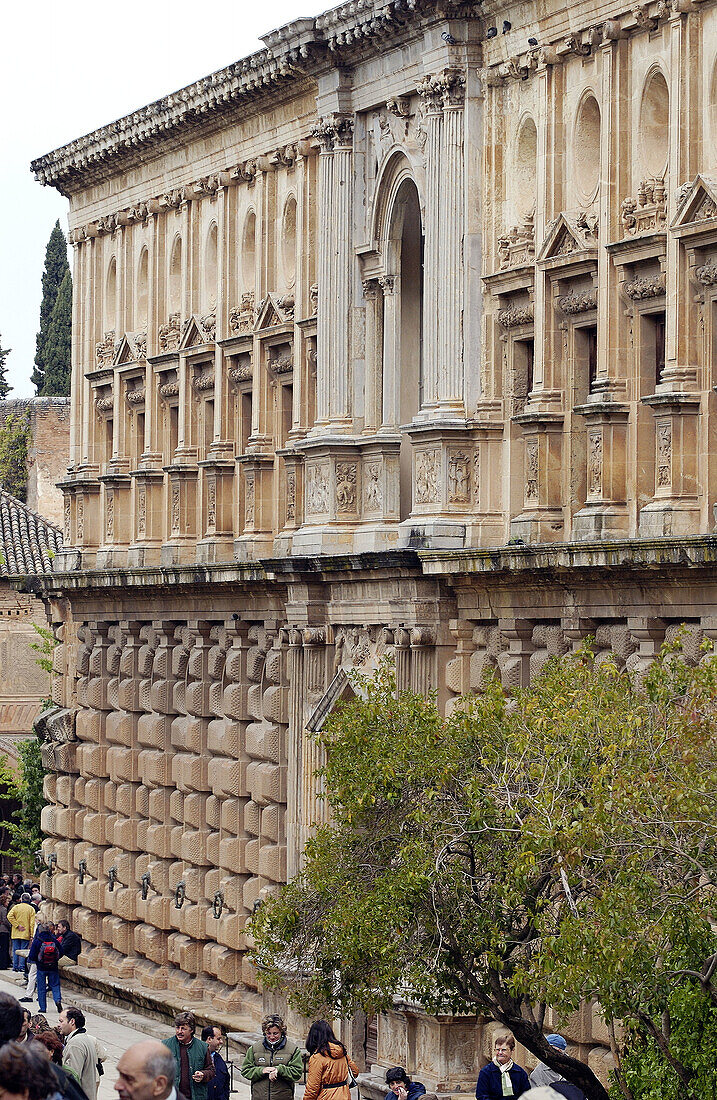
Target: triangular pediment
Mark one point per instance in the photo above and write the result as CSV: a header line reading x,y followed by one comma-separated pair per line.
x,y
271,313
132,348
192,335
697,203
268,315
567,235
340,690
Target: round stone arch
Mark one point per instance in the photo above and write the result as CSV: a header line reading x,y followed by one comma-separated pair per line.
x,y
174,283
586,146
209,268
398,236
288,240
142,290
110,310
525,163
396,168
654,125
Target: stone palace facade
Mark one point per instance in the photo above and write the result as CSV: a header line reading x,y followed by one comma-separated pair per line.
x,y
398,336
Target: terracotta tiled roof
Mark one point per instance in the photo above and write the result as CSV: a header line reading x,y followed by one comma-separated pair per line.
x,y
28,542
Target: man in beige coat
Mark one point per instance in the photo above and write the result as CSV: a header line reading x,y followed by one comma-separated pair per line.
x,y
82,1051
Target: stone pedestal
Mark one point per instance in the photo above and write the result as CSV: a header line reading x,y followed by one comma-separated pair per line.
x,y
674,509
542,517
604,515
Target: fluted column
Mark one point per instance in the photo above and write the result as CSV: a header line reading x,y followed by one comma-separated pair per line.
x,y
373,356
431,93
323,318
340,366
450,259
333,380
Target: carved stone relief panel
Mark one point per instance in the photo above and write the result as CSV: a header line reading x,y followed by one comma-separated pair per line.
x,y
317,489
426,466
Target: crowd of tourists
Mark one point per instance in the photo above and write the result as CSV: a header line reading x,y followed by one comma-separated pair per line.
x,y
65,1062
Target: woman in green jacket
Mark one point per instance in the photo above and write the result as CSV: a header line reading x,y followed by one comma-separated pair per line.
x,y
274,1064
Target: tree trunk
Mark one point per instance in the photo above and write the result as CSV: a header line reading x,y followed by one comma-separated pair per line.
x,y
574,1071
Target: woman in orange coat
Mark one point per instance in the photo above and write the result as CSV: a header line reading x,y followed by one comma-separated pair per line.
x,y
328,1076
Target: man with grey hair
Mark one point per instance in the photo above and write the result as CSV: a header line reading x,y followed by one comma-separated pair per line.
x,y
193,1064
146,1072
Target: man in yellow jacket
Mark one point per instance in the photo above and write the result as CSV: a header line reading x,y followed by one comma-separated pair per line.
x,y
22,923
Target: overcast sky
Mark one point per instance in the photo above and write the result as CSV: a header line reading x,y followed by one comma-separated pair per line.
x,y
67,69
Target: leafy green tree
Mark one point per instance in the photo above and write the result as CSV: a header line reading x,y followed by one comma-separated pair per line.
x,y
51,346
26,789
15,439
57,349
525,852
5,386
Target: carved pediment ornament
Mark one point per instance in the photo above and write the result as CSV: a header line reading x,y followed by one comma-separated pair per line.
x,y
646,212
196,331
105,350
517,246
570,234
132,348
275,311
241,318
696,202
170,333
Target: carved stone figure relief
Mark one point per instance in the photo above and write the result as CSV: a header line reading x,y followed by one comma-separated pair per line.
x,y
531,470
373,493
664,454
459,477
426,477
595,463
346,486
317,490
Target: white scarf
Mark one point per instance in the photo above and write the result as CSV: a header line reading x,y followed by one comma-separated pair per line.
x,y
505,1081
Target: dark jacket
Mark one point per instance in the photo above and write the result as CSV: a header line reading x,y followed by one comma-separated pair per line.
x,y
198,1055
218,1089
489,1085
70,945
415,1089
571,1092
34,955
69,1086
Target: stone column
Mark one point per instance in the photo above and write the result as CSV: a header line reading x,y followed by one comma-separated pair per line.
x,y
391,365
431,93
450,258
373,357
335,135
324,318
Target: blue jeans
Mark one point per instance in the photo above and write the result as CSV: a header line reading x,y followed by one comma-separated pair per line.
x,y
47,978
18,962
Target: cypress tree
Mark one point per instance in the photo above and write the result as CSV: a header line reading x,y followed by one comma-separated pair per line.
x,y
57,345
5,386
56,267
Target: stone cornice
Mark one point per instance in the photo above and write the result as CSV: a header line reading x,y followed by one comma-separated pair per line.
x,y
295,52
624,554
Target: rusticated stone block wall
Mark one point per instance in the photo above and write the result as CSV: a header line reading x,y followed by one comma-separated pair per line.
x,y
183,783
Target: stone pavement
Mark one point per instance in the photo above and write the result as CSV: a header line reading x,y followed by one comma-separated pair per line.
x,y
116,1027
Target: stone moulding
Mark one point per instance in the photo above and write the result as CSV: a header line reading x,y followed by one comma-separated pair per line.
x,y
291,55
581,302
514,316
651,286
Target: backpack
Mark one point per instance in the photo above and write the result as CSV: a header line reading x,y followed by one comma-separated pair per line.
x,y
48,956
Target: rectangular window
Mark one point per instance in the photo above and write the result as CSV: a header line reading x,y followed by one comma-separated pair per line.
x,y
591,354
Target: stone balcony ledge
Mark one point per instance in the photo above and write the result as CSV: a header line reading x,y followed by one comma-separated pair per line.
x,y
655,554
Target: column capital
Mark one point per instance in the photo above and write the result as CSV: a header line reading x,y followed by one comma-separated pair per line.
x,y
334,132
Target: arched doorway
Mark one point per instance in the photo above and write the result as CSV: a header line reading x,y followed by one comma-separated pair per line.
x,y
403,322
